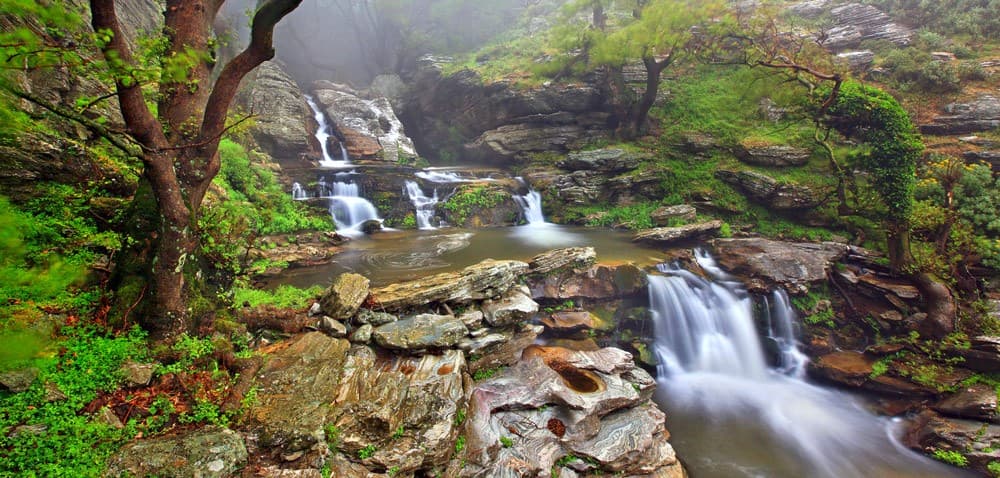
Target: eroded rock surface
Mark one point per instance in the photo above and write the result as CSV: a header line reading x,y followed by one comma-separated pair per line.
x,y
980,114
788,264
207,452
282,128
370,127
770,192
344,297
485,280
671,235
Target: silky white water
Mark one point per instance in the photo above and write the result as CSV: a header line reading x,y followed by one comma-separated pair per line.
x,y
424,206
323,136
347,208
732,415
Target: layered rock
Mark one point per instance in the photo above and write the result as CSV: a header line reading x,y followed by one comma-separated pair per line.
x,y
574,257
772,155
667,215
853,23
671,235
855,370
770,192
980,114
793,266
597,282
603,160
368,127
974,440
344,297
485,280
283,126
423,331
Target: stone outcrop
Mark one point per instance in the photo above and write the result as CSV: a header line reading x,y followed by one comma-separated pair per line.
x,y
586,187
208,452
671,235
974,440
424,331
770,192
513,307
858,60
855,370
666,215
573,257
603,160
555,403
976,402
598,282
283,127
980,114
500,122
983,355
485,280
344,297
772,155
369,126
301,250
787,264
853,23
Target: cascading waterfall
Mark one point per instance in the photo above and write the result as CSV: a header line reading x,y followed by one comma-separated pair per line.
x,y
323,135
424,206
531,204
348,209
298,192
732,412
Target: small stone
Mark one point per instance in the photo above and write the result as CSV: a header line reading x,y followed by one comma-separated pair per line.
x,y
472,319
315,309
137,374
363,334
17,381
669,235
293,456
891,316
53,394
107,417
366,316
333,327
569,321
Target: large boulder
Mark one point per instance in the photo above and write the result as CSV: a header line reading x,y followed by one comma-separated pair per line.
x,y
667,215
421,332
788,264
671,235
282,128
485,280
770,192
205,452
515,306
772,155
973,439
345,296
976,402
980,114
853,23
370,127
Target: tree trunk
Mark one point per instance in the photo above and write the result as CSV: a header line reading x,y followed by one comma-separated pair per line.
x,y
640,112
898,243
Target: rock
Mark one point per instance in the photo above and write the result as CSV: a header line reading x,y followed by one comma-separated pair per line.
x,y
853,23
344,297
475,345
371,226
990,157
603,160
664,236
107,417
137,374
518,142
502,354
977,402
515,306
204,452
390,87
667,215
942,56
569,321
772,155
302,250
980,114
370,127
363,334
472,319
983,355
485,280
889,286
858,60
366,316
854,369
421,332
315,309
599,282
770,192
791,265
974,440
333,328
20,380
282,127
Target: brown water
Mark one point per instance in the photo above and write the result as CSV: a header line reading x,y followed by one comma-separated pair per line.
x,y
396,256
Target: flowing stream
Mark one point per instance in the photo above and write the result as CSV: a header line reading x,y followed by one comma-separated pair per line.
x,y
733,415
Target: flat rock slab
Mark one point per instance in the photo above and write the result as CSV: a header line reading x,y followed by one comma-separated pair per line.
x,y
574,257
569,321
854,369
206,452
670,235
599,282
515,306
421,332
485,280
977,402
789,264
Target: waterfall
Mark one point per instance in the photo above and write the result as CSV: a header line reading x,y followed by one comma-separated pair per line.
x,y
531,204
348,209
441,177
424,206
298,192
323,136
732,411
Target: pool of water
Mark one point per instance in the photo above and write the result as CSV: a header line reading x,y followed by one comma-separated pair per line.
x,y
395,256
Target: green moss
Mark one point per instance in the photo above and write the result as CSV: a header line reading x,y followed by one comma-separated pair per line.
x,y
284,296
471,198
951,457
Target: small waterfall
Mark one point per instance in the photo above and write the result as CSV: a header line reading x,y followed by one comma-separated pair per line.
x,y
531,204
348,209
298,192
323,136
442,177
732,412
346,158
425,206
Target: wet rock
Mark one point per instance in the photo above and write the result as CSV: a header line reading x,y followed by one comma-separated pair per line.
x,y
773,155
975,440
107,417
990,157
282,129
332,327
370,127
485,280
315,310
137,374
977,402
854,370
771,192
502,354
569,321
344,297
575,257
305,252
476,344
206,452
518,142
421,332
599,282
983,355
366,316
664,236
980,114
20,380
788,264
371,226
603,160
858,60
667,215
363,334
515,306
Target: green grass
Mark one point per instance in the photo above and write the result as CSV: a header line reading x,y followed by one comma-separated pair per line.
x,y
469,199
285,296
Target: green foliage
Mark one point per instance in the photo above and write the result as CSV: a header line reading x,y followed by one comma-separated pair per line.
x,y
398,433
633,216
285,296
367,452
189,350
951,457
567,304
459,443
994,468
813,305
332,433
486,373
469,199
459,417
506,442
58,440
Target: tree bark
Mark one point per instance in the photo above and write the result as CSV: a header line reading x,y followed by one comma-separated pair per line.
x,y
640,112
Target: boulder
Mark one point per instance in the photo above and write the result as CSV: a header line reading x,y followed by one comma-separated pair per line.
x,y
302,250
976,402
603,160
770,192
568,321
282,128
137,374
518,142
370,127
667,215
980,114
788,264
858,60
366,316
363,334
513,307
575,257
983,355
663,236
485,280
205,452
421,332
334,328
853,23
19,380
599,282
344,297
991,157
772,155
973,439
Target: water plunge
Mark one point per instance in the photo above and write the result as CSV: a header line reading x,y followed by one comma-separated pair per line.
x,y
347,208
424,206
323,136
731,415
